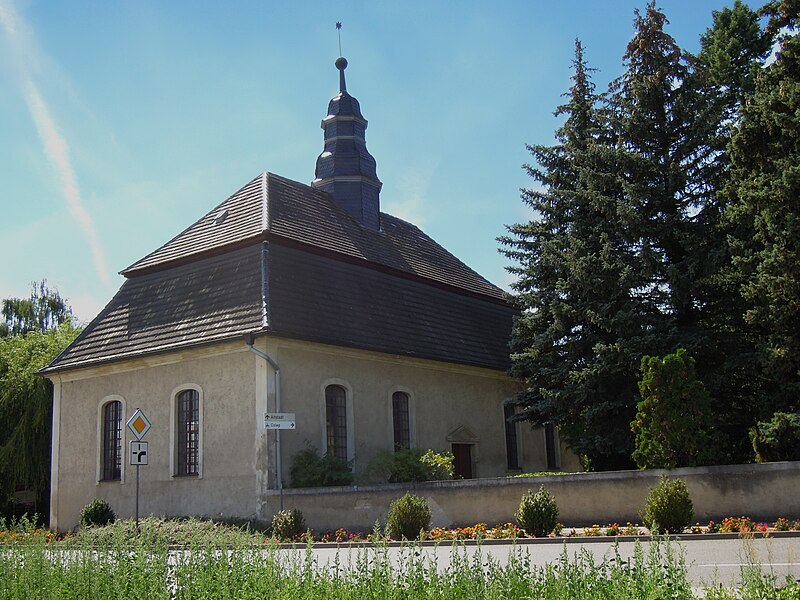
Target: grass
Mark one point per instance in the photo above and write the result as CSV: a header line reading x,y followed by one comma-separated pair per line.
x,y
197,559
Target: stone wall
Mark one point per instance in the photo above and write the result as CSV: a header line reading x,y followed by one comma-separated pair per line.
x,y
763,492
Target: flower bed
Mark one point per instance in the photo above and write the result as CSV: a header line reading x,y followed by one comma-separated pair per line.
x,y
481,531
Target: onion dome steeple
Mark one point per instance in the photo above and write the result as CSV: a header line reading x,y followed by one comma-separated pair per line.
x,y
346,169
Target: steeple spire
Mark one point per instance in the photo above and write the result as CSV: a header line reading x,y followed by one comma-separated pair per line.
x,y
341,64
346,169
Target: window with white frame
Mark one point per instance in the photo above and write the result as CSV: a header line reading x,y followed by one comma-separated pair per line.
x,y
111,435
187,432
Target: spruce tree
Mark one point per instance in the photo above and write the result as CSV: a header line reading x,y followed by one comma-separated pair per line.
x,y
572,345
732,53
765,213
668,148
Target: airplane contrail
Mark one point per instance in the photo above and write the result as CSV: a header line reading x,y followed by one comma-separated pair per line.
x,y
55,145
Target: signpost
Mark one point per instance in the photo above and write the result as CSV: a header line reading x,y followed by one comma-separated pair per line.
x,y
279,421
139,425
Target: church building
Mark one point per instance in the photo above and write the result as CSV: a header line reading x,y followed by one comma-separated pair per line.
x,y
286,298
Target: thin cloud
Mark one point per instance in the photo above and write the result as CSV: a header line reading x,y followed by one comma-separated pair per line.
x,y
55,145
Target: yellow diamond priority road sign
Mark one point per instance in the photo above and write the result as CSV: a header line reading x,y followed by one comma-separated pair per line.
x,y
139,424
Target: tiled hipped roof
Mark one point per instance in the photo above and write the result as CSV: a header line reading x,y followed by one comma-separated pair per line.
x,y
283,258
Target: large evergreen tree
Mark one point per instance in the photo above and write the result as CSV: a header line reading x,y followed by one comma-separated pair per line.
x,y
732,53
765,212
624,256
574,280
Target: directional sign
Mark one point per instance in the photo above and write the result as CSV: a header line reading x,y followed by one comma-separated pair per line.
x,y
138,424
139,453
279,421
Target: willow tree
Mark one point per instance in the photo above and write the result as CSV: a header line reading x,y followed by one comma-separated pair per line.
x,y
25,398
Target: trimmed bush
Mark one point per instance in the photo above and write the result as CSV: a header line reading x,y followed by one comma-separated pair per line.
x,y
538,513
309,469
288,524
408,515
673,424
98,513
669,507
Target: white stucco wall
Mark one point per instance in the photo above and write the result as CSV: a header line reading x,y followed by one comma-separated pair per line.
x,y
226,377
237,454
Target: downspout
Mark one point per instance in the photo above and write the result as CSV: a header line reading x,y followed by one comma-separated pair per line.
x,y
249,340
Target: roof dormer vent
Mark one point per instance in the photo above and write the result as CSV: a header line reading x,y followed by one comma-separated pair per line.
x,y
220,216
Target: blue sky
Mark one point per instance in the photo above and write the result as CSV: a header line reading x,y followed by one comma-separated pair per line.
x,y
123,122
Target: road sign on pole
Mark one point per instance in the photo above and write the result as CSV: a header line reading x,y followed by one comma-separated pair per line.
x,y
279,421
139,424
139,453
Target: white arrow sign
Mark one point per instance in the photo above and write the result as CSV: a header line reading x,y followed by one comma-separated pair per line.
x,y
279,421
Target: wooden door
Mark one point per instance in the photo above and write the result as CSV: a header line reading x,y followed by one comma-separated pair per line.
x,y
463,460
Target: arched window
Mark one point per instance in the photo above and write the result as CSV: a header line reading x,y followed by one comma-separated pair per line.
x,y
187,433
112,441
401,421
336,420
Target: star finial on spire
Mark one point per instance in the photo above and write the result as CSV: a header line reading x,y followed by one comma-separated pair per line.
x,y
339,30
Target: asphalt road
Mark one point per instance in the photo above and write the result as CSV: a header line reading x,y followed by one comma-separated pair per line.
x,y
709,559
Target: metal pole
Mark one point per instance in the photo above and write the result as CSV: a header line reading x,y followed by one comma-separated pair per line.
x,y
137,498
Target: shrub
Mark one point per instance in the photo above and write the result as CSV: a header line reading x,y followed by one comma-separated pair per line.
x,y
309,469
411,465
673,420
777,439
538,513
439,465
669,507
398,467
97,513
408,515
288,524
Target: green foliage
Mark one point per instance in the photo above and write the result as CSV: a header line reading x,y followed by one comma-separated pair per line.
x,y
408,515
438,465
777,439
673,422
574,342
223,566
668,508
44,309
288,524
764,217
538,513
411,464
309,469
628,253
732,50
98,513
26,411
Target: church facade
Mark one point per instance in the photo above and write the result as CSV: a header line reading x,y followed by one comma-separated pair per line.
x,y
287,298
